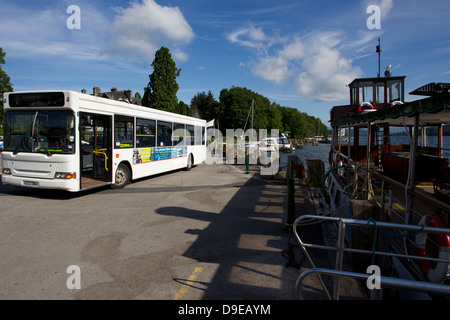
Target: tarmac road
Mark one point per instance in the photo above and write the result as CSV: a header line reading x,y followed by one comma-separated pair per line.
x,y
210,233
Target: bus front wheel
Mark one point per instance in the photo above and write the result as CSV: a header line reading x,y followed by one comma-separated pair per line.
x,y
122,177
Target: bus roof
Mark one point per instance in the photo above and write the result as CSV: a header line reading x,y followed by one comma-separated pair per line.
x,y
70,95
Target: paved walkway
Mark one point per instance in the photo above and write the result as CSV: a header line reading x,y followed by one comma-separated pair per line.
x,y
214,232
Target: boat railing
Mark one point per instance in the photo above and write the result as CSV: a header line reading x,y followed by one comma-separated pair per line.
x,y
340,249
369,174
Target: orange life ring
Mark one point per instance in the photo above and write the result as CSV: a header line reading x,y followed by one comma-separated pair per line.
x,y
436,275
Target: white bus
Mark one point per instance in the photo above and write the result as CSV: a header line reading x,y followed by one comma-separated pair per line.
x,y
74,141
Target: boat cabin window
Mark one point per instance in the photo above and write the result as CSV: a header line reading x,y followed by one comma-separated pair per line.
x,y
394,90
365,92
379,92
363,132
353,94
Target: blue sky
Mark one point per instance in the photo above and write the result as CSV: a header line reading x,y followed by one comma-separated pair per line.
x,y
299,54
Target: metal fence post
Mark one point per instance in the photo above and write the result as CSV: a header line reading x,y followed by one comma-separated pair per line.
x,y
247,164
339,258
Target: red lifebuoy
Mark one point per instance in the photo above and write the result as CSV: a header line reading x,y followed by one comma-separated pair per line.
x,y
395,103
436,275
365,106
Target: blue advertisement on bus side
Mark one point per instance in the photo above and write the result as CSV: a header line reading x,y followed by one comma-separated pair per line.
x,y
159,153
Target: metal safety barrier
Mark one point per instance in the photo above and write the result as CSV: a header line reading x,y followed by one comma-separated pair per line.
x,y
388,282
340,249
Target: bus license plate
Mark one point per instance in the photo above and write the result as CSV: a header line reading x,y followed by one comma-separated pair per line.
x,y
30,183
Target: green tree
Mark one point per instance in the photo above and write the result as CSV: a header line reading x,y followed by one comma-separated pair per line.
x,y
233,112
274,117
5,86
235,107
292,121
300,124
184,109
161,91
205,104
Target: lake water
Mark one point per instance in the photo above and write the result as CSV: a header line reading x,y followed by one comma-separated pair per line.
x,y
308,152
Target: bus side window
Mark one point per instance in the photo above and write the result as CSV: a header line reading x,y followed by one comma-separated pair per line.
x,y
178,136
145,133
198,135
123,132
164,138
190,134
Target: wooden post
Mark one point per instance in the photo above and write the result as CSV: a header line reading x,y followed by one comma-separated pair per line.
x,y
360,237
291,162
316,173
291,204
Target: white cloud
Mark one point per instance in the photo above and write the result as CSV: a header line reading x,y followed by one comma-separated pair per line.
x,y
249,36
139,30
293,50
278,68
317,64
329,38
136,31
325,75
363,39
29,33
179,55
311,63
274,69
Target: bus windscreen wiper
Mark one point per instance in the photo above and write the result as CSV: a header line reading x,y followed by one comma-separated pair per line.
x,y
48,152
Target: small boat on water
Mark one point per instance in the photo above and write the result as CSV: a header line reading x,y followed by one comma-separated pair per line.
x,y
401,191
284,144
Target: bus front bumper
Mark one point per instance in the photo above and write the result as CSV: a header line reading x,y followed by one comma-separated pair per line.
x,y
60,184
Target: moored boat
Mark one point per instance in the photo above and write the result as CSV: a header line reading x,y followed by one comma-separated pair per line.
x,y
284,144
403,187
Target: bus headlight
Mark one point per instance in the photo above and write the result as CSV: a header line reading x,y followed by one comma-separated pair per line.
x,y
65,175
6,171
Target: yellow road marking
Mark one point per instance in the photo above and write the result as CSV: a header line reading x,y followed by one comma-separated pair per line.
x,y
189,283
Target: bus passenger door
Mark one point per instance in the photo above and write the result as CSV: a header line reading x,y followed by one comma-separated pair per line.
x,y
96,149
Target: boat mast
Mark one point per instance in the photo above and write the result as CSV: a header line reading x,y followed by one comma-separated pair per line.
x,y
253,106
379,54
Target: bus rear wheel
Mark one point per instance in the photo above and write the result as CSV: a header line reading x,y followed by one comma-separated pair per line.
x,y
190,162
122,177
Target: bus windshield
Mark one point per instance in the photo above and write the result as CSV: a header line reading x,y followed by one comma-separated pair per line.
x,y
46,132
